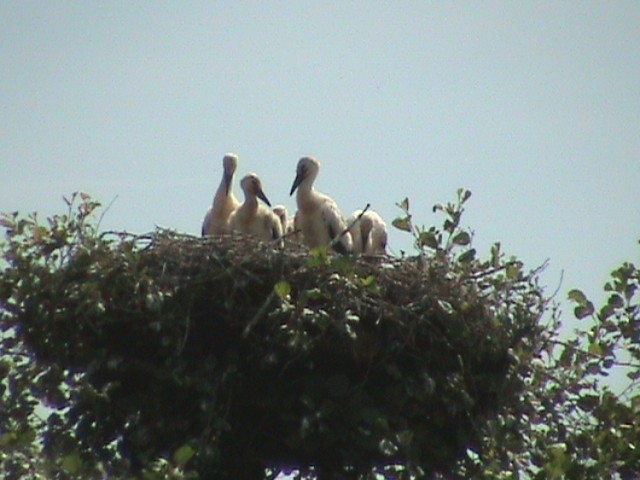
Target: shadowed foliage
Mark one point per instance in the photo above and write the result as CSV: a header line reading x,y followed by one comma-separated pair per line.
x,y
170,356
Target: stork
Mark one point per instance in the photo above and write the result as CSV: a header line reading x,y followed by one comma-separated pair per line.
x,y
252,217
216,220
318,216
369,232
285,220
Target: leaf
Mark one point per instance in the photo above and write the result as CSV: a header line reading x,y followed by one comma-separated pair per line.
x,y
557,463
318,256
446,307
605,312
404,205
405,437
495,255
449,226
311,294
462,238
368,281
467,256
595,349
182,455
282,289
582,311
7,222
71,463
5,368
387,447
466,196
513,270
577,296
7,439
615,301
588,402
634,375
402,223
567,357
428,239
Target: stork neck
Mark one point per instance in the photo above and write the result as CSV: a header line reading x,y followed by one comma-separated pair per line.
x,y
305,187
221,192
251,201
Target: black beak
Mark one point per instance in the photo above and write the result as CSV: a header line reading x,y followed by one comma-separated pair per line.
x,y
260,194
298,180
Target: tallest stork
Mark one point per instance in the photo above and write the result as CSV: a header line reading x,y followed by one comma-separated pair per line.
x,y
216,221
318,216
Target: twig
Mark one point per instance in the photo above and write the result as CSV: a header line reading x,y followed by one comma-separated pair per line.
x,y
259,314
104,212
553,295
293,232
493,270
186,332
335,241
594,356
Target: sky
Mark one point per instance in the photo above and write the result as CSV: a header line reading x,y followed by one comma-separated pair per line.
x,y
533,106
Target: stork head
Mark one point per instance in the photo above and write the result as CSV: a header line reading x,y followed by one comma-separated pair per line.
x,y
229,165
306,171
281,212
252,187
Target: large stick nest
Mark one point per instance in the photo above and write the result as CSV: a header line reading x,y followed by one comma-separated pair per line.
x,y
256,355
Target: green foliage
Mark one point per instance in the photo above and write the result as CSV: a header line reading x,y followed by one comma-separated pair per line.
x,y
169,356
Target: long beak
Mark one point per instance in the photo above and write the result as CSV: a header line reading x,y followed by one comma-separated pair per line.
x,y
296,182
260,194
227,182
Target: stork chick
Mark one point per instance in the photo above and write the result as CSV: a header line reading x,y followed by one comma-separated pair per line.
x,y
253,218
369,233
318,216
286,221
216,220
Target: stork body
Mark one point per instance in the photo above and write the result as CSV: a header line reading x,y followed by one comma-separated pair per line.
x,y
369,233
253,218
318,216
216,220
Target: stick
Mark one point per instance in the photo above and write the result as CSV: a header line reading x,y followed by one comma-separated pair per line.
x,y
335,241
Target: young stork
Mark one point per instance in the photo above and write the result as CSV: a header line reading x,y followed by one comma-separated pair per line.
x,y
318,216
285,220
253,218
369,233
216,221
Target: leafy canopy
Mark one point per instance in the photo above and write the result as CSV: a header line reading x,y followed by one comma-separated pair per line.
x,y
169,356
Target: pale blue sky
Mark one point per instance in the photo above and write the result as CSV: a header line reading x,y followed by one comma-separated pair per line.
x,y
534,106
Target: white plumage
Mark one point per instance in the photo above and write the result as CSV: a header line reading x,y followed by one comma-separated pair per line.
x,y
216,220
253,218
318,216
285,220
369,233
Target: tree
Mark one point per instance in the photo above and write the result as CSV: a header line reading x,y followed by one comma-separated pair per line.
x,y
170,356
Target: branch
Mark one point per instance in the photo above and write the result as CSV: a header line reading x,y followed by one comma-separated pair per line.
x,y
335,241
259,314
104,212
617,363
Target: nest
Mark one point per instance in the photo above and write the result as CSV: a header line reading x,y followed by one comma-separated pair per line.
x,y
260,356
